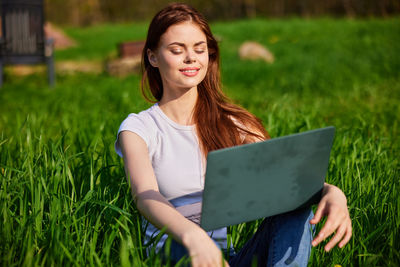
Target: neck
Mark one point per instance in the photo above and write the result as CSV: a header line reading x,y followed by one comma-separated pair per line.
x,y
179,107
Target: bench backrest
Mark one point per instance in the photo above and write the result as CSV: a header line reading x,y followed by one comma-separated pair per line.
x,y
22,31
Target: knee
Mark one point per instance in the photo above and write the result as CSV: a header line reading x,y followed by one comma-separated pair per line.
x,y
292,238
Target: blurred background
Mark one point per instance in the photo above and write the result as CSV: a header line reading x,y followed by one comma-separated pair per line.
x,y
87,12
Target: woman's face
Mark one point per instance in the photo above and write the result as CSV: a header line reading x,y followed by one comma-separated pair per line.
x,y
181,57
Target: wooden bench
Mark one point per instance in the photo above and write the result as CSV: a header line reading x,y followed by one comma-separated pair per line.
x,y
22,40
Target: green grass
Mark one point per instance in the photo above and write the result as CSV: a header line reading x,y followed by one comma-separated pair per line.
x,y
64,197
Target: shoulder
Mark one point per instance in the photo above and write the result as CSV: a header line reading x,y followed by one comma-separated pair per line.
x,y
137,120
143,124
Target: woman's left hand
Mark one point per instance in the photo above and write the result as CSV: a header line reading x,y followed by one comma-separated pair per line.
x,y
334,205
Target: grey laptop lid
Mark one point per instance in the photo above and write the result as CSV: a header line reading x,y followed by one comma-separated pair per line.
x,y
253,181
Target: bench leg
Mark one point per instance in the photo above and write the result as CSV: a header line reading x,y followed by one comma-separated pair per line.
x,y
50,71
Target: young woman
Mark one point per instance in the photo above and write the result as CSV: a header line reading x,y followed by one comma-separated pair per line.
x,y
164,150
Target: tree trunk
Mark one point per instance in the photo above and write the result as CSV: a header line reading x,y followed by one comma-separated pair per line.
x,y
348,8
250,8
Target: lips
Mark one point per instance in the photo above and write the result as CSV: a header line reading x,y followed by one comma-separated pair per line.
x,y
190,71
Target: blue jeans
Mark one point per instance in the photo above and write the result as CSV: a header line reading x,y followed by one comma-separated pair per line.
x,y
281,240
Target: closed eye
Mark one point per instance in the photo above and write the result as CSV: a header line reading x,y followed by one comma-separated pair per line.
x,y
176,51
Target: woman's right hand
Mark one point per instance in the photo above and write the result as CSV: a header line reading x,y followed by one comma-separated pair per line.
x,y
202,249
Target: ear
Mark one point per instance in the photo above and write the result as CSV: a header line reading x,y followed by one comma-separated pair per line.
x,y
152,57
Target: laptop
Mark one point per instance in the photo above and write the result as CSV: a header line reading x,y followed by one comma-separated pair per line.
x,y
258,180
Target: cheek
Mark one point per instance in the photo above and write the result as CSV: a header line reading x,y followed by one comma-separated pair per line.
x,y
204,62
171,62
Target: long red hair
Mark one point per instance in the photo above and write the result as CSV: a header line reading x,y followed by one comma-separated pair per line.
x,y
220,123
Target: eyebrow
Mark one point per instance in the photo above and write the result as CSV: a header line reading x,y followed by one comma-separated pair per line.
x,y
182,44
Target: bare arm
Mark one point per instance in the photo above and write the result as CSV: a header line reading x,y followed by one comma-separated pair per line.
x,y
158,210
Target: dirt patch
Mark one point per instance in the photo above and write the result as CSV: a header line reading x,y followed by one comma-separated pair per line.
x,y
61,40
122,67
62,67
71,67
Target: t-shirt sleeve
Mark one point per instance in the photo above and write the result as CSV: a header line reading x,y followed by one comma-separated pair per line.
x,y
135,124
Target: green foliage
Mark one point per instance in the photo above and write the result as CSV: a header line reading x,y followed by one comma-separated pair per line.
x,y
64,196
98,42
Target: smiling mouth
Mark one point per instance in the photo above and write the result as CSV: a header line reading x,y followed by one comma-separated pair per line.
x,y
190,71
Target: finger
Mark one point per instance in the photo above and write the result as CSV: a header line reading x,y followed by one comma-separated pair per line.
x,y
335,219
336,238
194,263
326,231
347,237
319,213
322,234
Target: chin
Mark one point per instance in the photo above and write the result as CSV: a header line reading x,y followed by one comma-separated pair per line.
x,y
191,84
187,87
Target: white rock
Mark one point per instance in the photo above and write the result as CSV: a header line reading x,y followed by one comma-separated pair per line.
x,y
253,51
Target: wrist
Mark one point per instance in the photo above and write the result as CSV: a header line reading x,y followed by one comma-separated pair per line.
x,y
189,237
196,237
331,192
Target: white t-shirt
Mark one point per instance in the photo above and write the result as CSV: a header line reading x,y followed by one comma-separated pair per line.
x,y
177,162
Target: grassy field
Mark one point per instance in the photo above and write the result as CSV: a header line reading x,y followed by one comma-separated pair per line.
x,y
63,195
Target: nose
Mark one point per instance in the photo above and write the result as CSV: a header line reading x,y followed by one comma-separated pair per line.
x,y
190,57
